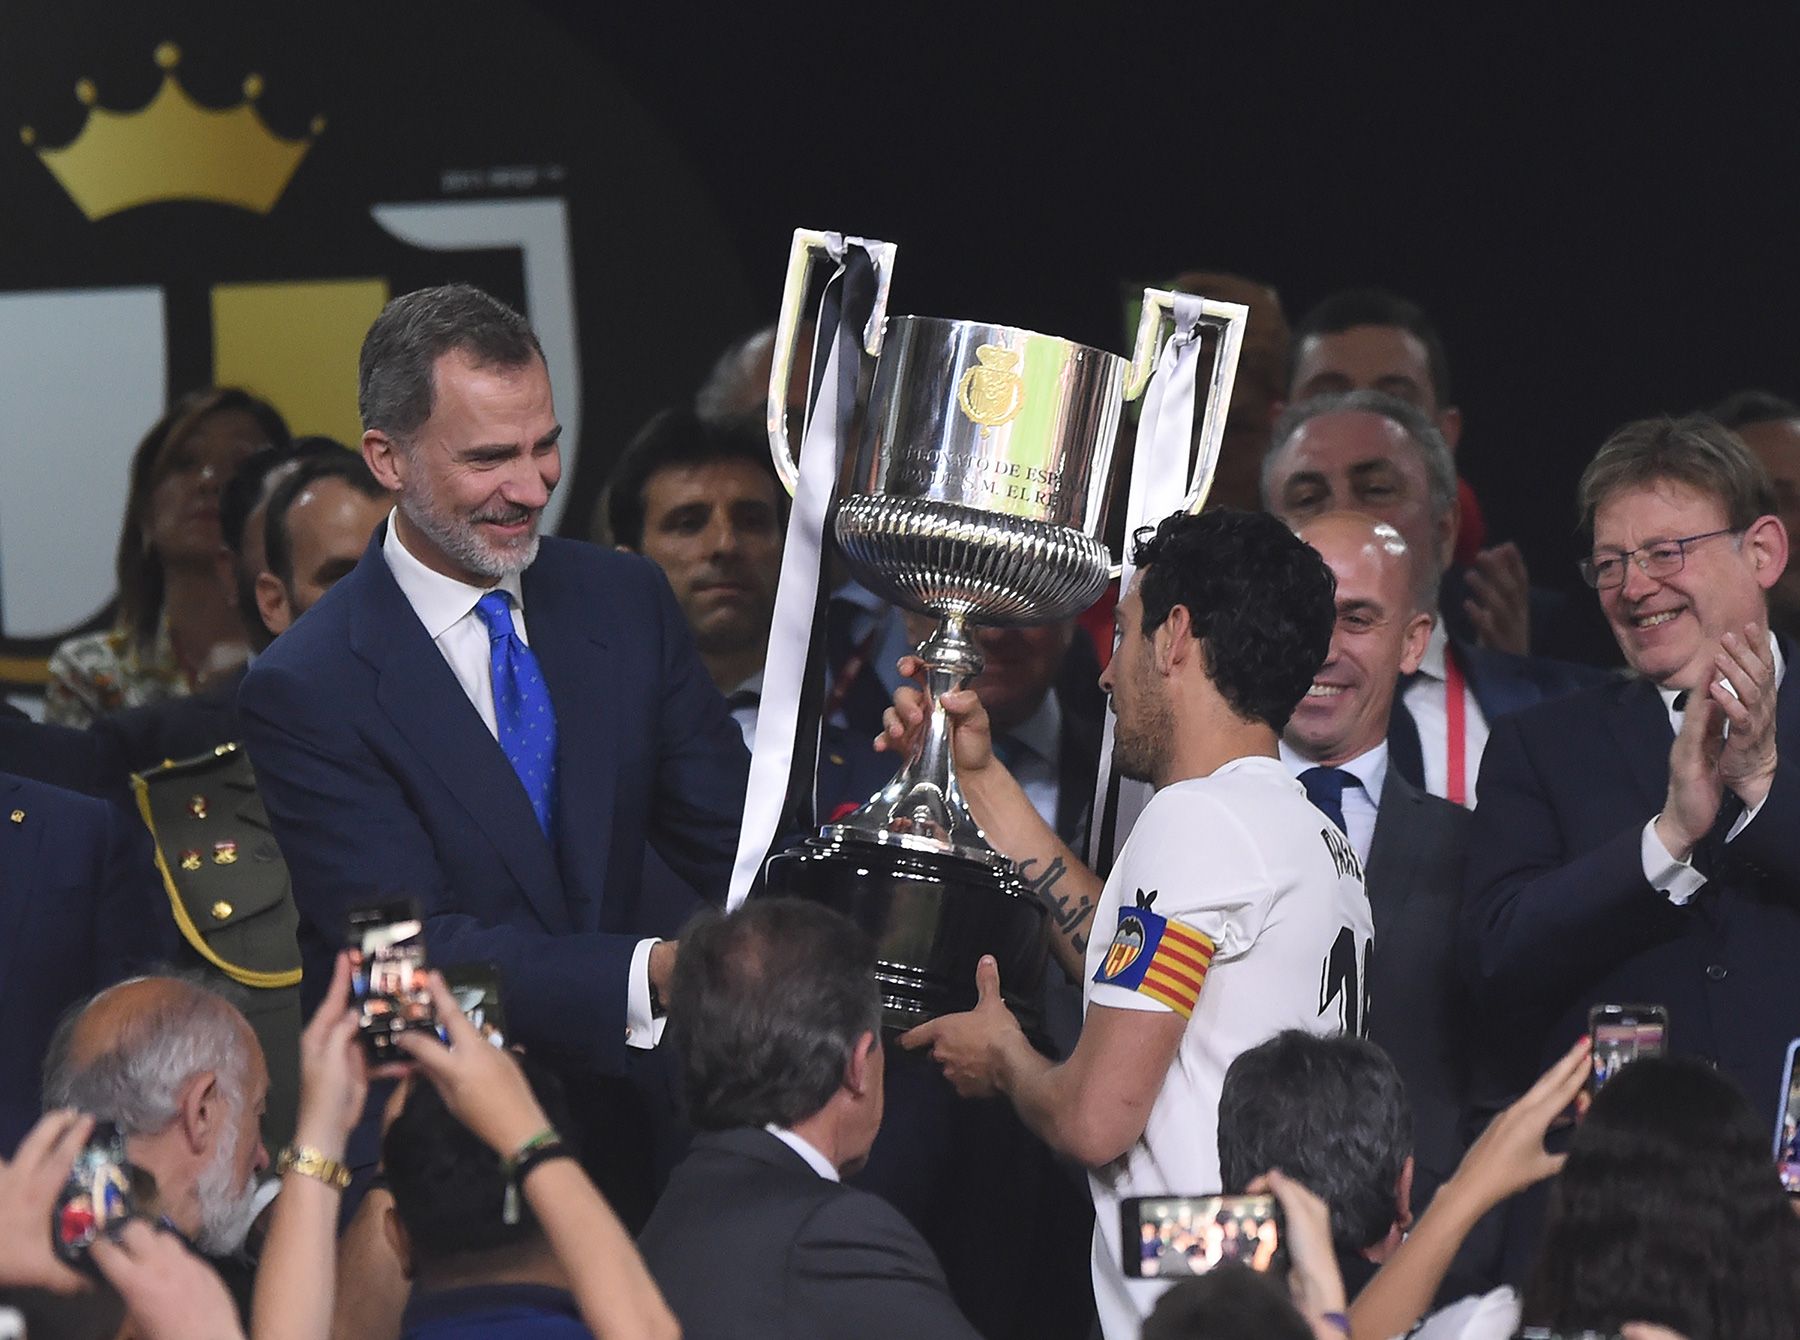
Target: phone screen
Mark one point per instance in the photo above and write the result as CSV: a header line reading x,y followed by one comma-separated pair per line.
x,y
1787,1125
1623,1033
389,980
1170,1236
100,1191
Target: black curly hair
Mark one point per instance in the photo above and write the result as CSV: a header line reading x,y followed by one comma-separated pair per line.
x,y
1261,601
1669,1211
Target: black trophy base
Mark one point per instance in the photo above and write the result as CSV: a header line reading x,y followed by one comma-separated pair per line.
x,y
932,917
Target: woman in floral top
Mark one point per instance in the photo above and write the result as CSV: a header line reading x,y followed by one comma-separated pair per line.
x,y
176,624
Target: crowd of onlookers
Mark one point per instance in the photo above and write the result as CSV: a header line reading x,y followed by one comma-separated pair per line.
x,y
1546,821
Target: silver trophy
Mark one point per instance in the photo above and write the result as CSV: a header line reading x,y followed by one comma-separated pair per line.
x,y
976,495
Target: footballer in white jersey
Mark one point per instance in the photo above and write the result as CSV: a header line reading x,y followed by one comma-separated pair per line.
x,y
1235,909
1237,905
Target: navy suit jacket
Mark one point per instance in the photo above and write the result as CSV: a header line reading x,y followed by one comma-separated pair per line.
x,y
1502,684
81,907
1558,915
383,782
749,1243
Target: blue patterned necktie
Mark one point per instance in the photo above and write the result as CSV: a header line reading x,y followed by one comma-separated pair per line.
x,y
522,710
1325,788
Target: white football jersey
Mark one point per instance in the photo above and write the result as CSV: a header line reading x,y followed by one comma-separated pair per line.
x,y
1237,904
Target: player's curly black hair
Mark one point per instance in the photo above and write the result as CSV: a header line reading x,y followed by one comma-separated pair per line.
x,y
1261,601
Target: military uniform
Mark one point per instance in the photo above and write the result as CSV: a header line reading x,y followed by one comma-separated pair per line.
x,y
233,903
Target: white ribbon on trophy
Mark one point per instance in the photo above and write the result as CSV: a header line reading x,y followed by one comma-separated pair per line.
x,y
1161,484
793,626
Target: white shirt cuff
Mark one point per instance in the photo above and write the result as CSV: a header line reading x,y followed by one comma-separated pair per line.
x,y
641,1031
1676,880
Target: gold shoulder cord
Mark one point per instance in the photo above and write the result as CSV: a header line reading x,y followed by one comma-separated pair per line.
x,y
261,981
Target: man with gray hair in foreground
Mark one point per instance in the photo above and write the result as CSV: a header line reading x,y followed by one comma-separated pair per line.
x,y
177,1068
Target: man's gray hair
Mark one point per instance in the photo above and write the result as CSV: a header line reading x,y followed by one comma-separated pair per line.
x,y
394,386
1434,451
136,1081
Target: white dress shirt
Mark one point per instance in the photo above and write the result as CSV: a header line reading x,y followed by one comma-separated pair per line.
x,y
1360,802
744,709
1425,698
447,609
1677,880
814,1159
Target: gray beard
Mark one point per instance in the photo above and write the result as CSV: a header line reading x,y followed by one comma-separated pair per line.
x,y
225,1215
460,542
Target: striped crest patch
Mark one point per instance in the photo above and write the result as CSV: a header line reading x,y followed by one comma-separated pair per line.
x,y
1157,957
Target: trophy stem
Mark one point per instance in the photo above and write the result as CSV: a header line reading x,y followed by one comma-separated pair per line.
x,y
923,806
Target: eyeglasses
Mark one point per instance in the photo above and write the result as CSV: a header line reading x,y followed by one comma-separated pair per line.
x,y
1662,559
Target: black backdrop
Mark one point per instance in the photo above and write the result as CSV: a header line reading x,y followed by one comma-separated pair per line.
x,y
1597,203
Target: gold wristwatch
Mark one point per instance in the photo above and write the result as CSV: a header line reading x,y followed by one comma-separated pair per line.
x,y
309,1162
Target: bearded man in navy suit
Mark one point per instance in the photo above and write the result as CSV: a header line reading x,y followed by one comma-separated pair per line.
x,y
490,722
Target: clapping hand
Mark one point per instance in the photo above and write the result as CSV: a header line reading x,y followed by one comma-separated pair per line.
x,y
1747,754
1499,603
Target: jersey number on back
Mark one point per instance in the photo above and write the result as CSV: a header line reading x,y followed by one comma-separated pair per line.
x,y
1343,984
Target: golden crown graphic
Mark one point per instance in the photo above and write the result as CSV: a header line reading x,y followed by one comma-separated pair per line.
x,y
172,148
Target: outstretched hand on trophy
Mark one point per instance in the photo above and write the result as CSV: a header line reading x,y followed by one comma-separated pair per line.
x,y
972,737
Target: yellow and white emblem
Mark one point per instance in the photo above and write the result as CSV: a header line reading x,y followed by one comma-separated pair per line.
x,y
992,392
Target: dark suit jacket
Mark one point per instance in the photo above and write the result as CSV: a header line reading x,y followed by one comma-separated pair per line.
x,y
99,760
1558,915
749,1243
80,908
1418,1008
383,782
1502,684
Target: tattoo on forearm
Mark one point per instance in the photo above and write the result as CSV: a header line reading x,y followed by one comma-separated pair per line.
x,y
1070,912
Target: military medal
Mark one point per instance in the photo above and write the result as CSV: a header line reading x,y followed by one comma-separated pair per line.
x,y
190,859
197,807
224,852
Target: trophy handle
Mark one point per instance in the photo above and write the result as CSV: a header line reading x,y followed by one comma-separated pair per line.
x,y
1229,319
809,247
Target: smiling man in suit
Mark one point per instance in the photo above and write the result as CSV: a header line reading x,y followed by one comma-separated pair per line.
x,y
1372,452
492,722
1412,844
1635,843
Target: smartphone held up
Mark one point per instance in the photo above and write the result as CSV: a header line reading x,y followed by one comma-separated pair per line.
x,y
1172,1236
1622,1034
103,1190
388,977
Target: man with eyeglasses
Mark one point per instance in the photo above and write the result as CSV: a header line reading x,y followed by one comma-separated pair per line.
x,y
1636,842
